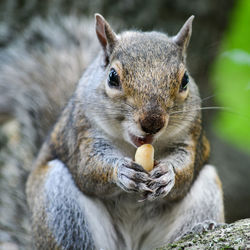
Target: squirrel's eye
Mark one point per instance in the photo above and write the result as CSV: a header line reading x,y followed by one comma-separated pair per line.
x,y
184,82
113,79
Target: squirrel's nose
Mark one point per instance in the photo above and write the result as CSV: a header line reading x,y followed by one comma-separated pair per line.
x,y
153,123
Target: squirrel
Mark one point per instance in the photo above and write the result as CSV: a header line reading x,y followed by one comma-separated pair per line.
x,y
85,190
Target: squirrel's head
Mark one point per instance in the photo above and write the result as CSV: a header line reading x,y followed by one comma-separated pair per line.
x,y
147,91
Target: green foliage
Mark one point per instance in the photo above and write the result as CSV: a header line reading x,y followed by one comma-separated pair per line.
x,y
231,75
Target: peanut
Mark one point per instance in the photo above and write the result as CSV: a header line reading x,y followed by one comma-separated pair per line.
x,y
144,156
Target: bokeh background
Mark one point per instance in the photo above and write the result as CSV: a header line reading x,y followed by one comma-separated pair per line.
x,y
218,59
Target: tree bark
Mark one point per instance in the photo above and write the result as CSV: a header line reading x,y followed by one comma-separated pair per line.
x,y
231,236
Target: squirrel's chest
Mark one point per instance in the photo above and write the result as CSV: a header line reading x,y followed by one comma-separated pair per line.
x,y
139,225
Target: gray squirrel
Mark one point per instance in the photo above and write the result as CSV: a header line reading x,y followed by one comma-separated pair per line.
x,y
85,190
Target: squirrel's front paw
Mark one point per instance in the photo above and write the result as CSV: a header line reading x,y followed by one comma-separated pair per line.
x,y
131,177
163,181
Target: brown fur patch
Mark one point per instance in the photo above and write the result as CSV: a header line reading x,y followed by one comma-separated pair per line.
x,y
206,147
218,182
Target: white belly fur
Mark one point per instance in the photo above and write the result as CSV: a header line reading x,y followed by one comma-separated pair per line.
x,y
129,224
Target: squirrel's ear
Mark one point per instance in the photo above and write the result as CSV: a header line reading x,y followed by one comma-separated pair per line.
x,y
183,36
105,34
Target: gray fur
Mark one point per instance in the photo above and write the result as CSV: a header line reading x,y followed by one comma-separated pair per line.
x,y
33,65
125,223
144,56
65,217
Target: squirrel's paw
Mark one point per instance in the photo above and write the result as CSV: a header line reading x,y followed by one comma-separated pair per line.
x,y
163,181
205,226
131,177
202,227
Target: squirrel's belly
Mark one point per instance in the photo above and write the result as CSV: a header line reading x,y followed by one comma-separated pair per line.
x,y
139,225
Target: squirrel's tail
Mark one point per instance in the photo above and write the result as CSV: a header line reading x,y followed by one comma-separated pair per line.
x,y
38,73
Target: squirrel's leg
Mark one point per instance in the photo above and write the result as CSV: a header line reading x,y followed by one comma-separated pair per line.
x,y
203,204
103,171
63,217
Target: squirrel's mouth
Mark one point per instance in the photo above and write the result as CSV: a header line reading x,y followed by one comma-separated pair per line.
x,y
138,141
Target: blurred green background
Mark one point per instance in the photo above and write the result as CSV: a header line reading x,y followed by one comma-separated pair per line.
x,y
231,79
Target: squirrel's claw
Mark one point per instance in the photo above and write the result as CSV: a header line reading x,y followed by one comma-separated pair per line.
x,y
131,178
